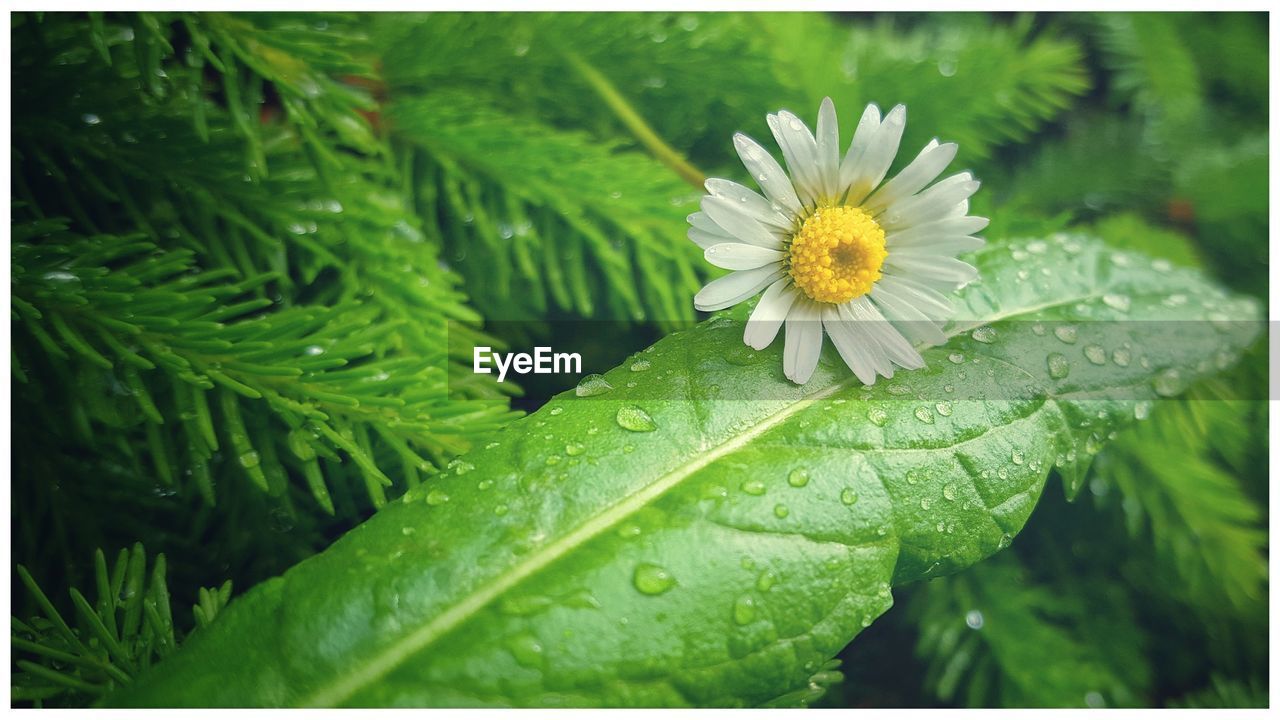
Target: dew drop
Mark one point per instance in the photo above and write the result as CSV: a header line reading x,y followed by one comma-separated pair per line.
x,y
592,385
437,497
974,620
798,477
766,581
741,355
1018,458
943,408
753,487
640,365
652,579
1095,354
848,496
744,610
557,410
1059,366
632,418
1065,333
780,511
925,503
949,491
574,449
1121,357
985,334
526,650
878,416
250,459
1142,410
1168,383
923,415
956,358
1116,302
500,510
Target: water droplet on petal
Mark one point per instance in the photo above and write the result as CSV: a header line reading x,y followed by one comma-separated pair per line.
x,y
798,477
753,487
878,416
1065,333
1095,354
985,334
437,497
640,365
974,620
848,496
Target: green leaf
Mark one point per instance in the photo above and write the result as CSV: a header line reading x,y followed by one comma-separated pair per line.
x,y
713,535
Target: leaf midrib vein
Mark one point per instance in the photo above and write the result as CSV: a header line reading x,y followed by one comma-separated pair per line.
x,y
461,611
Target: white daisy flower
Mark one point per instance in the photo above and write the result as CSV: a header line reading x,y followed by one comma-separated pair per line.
x,y
834,249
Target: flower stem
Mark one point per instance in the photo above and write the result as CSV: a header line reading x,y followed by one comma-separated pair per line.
x,y
666,154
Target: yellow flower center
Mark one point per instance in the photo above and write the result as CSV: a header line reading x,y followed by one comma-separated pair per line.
x,y
837,254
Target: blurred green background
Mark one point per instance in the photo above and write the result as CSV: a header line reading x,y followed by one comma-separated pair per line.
x,y
242,242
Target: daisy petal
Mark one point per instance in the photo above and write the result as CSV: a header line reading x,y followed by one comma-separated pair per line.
x,y
875,161
704,239
891,340
907,318
944,246
767,173
936,203
854,350
923,170
828,152
927,233
800,151
745,229
766,319
802,342
734,288
883,365
739,256
923,298
701,221
751,202
867,126
932,267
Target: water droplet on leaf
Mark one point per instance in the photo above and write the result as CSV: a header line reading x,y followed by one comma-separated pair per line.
x,y
652,579
632,418
592,385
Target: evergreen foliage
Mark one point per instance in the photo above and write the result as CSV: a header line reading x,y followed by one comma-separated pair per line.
x,y
243,244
